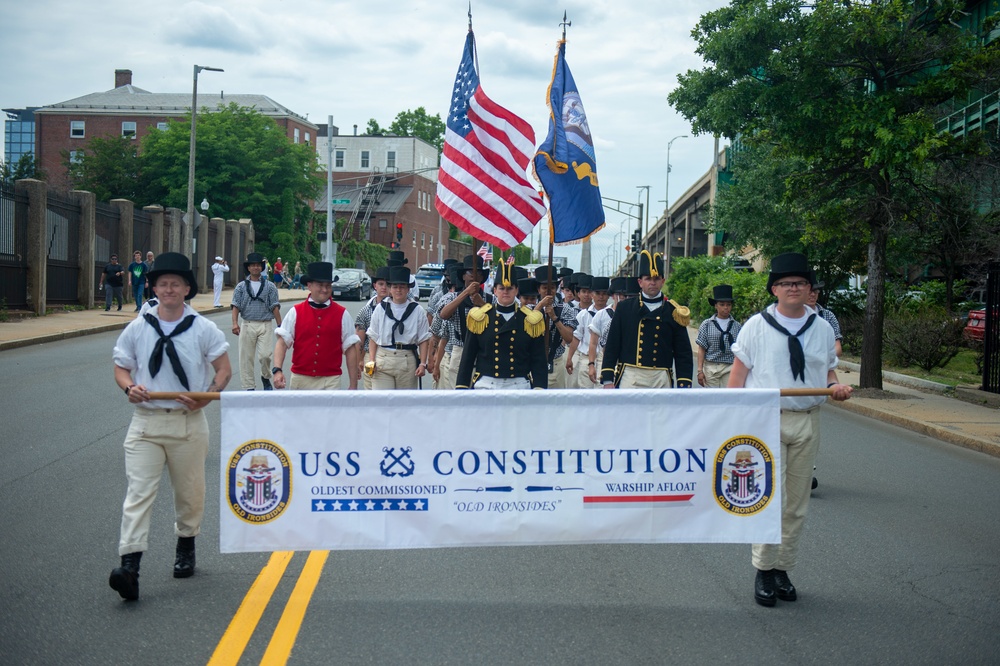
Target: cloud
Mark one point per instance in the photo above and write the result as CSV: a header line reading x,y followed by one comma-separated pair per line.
x,y
210,27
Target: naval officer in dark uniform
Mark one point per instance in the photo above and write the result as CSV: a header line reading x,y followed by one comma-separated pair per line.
x,y
505,344
648,337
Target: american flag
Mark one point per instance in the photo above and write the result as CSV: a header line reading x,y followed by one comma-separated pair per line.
x,y
486,252
482,185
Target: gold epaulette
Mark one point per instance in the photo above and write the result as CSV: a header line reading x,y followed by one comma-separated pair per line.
x,y
476,321
682,315
534,322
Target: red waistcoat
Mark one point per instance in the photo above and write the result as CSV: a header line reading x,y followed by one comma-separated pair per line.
x,y
317,351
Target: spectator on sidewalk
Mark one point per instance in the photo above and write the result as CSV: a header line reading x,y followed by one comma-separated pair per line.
x,y
149,267
137,278
218,268
113,274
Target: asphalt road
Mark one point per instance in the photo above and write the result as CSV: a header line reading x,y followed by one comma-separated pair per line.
x,y
898,565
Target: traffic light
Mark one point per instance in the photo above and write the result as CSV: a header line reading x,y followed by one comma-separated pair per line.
x,y
393,245
399,232
636,239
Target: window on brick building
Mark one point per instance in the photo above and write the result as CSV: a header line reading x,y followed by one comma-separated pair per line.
x,y
128,129
307,138
75,156
365,159
77,129
295,134
162,126
382,224
390,159
423,239
338,159
414,239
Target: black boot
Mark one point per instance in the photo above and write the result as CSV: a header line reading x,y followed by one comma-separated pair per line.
x,y
783,586
267,384
763,588
125,579
184,564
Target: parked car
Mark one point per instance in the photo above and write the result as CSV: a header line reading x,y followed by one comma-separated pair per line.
x,y
429,276
975,326
351,283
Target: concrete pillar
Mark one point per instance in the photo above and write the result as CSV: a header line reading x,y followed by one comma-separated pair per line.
x,y
156,214
85,285
235,273
251,243
37,195
205,254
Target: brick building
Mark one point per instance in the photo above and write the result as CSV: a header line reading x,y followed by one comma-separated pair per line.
x,y
382,181
127,110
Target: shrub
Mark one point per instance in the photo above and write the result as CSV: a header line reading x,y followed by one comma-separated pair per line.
x,y
924,335
692,279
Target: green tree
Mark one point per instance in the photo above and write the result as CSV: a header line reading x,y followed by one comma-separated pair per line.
x,y
416,123
110,167
245,166
26,167
852,89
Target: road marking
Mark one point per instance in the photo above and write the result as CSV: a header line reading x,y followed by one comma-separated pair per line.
x,y
241,628
283,639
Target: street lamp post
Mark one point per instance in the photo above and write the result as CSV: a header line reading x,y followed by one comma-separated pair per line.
x,y
666,198
645,230
189,236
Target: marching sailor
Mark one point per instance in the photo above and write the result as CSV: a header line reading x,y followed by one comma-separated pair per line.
x,y
364,319
457,305
648,336
257,301
400,337
505,345
560,318
716,336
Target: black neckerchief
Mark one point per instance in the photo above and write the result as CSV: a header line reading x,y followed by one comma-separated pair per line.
x,y
646,299
260,292
506,309
726,334
798,359
318,306
398,323
166,344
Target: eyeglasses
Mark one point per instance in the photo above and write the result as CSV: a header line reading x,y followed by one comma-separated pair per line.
x,y
791,285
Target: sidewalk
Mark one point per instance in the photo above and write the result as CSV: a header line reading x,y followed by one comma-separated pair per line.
x,y
928,410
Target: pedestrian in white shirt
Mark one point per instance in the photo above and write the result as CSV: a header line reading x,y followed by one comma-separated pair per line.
x,y
218,269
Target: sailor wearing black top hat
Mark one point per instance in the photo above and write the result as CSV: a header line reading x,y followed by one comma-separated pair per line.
x,y
320,333
648,336
457,306
400,337
607,293
560,318
587,288
505,345
788,346
257,301
380,283
716,336
397,258
171,349
443,336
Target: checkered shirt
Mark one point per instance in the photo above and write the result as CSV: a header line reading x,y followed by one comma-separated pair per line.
x,y
710,339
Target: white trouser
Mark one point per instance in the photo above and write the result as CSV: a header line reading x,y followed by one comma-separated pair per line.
x,y
557,378
454,361
256,345
217,290
645,378
497,384
717,374
177,439
394,369
307,383
446,381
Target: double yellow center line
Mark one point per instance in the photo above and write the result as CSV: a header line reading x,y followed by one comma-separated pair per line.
x,y
234,640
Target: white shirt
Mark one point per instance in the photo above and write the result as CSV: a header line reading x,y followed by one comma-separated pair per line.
x,y
764,351
219,269
582,331
196,347
599,321
415,327
348,336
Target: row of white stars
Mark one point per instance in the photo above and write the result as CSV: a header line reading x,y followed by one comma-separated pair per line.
x,y
370,505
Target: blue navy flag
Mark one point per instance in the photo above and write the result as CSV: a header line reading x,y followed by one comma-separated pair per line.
x,y
565,163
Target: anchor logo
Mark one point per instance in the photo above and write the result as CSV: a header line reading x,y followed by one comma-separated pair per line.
x,y
393,465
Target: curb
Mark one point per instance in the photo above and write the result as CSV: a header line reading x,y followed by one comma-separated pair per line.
x,y
903,380
933,431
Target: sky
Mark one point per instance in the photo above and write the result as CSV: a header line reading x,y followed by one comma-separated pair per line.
x,y
371,59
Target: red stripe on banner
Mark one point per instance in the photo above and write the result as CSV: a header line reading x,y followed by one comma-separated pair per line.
x,y
612,499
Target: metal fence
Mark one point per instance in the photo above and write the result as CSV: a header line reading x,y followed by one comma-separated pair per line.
x,y
13,248
107,219
142,231
991,341
62,225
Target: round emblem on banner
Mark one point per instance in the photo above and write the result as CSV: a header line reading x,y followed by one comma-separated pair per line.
x,y
744,475
259,482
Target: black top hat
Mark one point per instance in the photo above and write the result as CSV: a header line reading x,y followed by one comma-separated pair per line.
x,y
394,262
397,255
455,272
583,281
518,273
632,285
318,271
253,258
382,274
472,261
617,285
650,265
721,293
600,284
527,287
174,263
542,274
565,271
814,281
449,262
789,264
399,275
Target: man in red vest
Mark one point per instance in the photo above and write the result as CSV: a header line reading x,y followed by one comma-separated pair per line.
x,y
320,333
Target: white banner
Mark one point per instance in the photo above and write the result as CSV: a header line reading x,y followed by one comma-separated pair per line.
x,y
313,470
